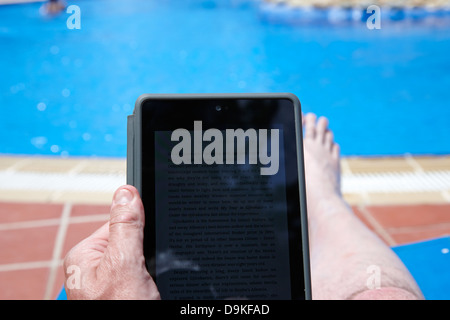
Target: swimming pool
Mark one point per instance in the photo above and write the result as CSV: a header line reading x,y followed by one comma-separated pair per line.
x,y
68,92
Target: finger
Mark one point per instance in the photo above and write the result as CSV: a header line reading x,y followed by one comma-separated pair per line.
x,y
322,128
310,126
126,224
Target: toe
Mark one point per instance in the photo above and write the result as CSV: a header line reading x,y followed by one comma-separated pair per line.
x,y
329,139
322,128
310,125
335,151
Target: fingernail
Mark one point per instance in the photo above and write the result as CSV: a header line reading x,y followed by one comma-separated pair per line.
x,y
123,196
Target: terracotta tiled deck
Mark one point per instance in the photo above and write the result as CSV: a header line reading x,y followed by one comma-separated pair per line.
x,y
48,205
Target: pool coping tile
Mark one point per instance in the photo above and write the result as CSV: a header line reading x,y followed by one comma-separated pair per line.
x,y
98,167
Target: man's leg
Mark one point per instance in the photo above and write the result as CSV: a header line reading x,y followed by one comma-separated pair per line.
x,y
345,254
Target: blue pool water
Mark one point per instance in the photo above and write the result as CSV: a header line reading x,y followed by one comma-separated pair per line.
x,y
68,92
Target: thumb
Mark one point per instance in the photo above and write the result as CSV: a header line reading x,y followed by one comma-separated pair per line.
x,y
126,223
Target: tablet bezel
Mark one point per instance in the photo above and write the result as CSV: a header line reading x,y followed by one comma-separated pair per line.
x,y
146,102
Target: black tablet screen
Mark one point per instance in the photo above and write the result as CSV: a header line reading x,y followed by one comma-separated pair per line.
x,y
220,189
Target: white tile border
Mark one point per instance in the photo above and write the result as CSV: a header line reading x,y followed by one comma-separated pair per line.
x,y
386,182
63,182
398,182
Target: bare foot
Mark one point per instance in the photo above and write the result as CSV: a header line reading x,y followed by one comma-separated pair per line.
x,y
322,163
341,246
322,175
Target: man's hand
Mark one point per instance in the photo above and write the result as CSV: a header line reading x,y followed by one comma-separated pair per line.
x,y
111,261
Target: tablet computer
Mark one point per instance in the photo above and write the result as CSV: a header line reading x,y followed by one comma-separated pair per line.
x,y
221,177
